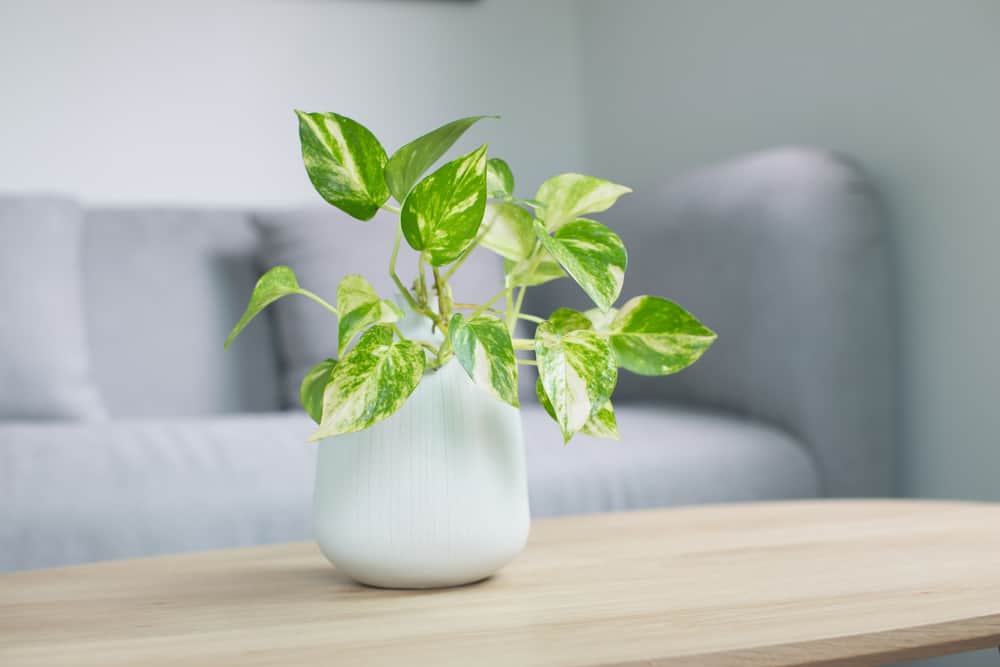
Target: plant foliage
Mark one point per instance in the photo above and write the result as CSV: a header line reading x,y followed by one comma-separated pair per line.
x,y
466,203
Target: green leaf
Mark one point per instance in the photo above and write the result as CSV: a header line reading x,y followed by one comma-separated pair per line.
x,y
593,254
370,383
484,348
566,320
409,163
344,162
566,197
653,336
530,272
509,231
576,368
276,283
360,307
602,424
499,179
312,388
443,212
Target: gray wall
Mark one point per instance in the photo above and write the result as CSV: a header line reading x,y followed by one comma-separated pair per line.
x,y
185,101
912,89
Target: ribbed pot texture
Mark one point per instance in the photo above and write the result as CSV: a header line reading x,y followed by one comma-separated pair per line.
x,y
433,496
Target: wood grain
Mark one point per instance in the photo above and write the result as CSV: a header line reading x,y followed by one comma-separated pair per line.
x,y
798,583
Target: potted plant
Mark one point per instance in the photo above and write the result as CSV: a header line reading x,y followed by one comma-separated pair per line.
x,y
420,478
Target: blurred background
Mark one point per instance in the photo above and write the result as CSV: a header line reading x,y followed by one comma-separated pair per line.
x,y
190,104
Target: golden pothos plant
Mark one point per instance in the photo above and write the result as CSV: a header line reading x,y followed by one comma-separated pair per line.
x,y
468,202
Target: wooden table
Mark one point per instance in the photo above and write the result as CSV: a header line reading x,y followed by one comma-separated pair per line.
x,y
799,583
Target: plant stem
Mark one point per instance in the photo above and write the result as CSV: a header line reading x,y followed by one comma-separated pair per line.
x,y
530,318
392,270
489,303
527,362
524,344
517,309
318,300
389,207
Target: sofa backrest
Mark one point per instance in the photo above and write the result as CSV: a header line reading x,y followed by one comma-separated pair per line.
x,y
162,289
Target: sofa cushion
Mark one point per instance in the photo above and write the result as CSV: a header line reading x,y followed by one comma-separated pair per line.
x,y
163,288
78,493
45,366
322,246
667,456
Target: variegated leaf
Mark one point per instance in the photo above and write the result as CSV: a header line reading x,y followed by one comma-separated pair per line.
x,y
360,307
442,214
567,320
534,271
577,370
483,346
567,197
312,388
592,254
276,283
654,336
344,162
370,382
409,163
499,179
602,424
509,232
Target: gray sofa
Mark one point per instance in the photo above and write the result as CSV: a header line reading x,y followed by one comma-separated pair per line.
x,y
782,253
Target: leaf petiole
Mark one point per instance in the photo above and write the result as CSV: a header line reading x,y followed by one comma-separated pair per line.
x,y
317,299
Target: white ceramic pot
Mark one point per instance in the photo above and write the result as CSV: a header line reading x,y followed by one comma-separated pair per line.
x,y
433,496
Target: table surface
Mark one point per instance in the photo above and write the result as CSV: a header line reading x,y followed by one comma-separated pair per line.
x,y
793,583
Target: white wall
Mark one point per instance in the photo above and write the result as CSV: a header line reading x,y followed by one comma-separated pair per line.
x,y
910,88
191,102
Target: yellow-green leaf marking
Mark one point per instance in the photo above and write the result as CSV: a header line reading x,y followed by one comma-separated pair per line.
x,y
567,197
370,382
654,336
592,254
344,162
509,231
499,179
442,214
483,346
576,368
360,307
602,424
409,163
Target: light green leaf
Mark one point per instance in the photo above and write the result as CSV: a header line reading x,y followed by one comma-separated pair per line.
x,y
344,162
370,383
602,424
409,163
312,388
576,368
601,319
566,320
593,254
442,214
653,336
484,348
360,307
499,179
530,272
508,231
566,197
276,283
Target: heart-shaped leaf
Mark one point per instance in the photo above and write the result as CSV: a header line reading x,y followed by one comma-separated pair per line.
x,y
499,179
442,214
567,197
602,424
509,231
276,283
344,162
409,163
312,388
360,307
483,346
370,383
592,254
576,368
654,336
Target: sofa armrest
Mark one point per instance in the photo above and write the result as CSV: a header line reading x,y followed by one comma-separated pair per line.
x,y
783,253
72,493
